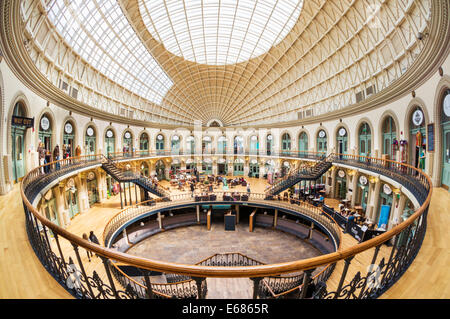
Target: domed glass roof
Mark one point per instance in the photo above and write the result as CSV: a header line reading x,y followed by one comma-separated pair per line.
x,y
218,32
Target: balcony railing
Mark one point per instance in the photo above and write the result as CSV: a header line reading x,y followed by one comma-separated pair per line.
x,y
355,281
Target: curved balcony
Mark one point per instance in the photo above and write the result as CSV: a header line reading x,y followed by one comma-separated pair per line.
x,y
380,261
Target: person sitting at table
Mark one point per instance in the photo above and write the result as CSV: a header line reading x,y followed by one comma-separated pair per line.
x,y
351,217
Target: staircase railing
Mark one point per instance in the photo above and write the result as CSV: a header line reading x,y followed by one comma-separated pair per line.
x,y
132,177
308,173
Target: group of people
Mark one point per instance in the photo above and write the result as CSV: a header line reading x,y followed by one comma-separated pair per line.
x,y
46,156
353,216
92,239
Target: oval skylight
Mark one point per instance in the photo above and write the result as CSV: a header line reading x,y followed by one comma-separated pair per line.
x,y
219,32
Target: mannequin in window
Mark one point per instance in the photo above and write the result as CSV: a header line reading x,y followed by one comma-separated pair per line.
x,y
422,158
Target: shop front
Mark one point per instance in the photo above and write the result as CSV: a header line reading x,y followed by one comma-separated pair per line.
x,y
341,184
71,199
92,188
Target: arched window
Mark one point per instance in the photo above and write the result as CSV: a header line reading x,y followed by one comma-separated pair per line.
x,y
222,145
206,145
322,141
390,143
18,144
159,144
68,139
190,144
285,143
445,122
175,145
110,143
90,141
45,132
127,144
303,144
417,138
342,141
143,143
254,145
238,145
364,140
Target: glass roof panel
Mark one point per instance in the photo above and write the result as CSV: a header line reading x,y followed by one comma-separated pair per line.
x,y
219,32
99,32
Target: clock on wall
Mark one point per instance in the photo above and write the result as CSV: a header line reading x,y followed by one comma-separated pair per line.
x,y
68,128
447,105
90,131
417,117
45,123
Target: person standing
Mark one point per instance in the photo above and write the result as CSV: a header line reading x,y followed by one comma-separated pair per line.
x,y
41,153
88,252
248,188
93,239
56,157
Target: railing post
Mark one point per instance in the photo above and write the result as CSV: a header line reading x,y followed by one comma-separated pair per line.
x,y
306,282
148,291
256,282
120,192
344,273
83,272
108,273
369,273
59,249
198,282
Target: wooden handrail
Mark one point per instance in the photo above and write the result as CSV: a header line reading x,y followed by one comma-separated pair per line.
x,y
248,271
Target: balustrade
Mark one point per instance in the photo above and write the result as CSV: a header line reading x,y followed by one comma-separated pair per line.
x,y
404,242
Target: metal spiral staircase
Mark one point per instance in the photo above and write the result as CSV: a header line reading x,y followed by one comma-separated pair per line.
x,y
127,176
302,174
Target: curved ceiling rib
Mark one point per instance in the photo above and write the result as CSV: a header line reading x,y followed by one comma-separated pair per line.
x,y
338,58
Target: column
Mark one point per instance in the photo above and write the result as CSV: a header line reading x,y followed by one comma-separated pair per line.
x,y
354,185
60,208
275,218
333,182
159,220
375,200
394,219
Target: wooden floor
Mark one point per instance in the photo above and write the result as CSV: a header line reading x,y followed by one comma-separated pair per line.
x,y
23,276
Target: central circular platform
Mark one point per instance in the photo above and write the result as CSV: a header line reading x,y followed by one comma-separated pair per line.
x,y
190,245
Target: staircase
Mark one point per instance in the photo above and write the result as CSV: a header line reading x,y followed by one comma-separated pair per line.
x,y
302,174
124,176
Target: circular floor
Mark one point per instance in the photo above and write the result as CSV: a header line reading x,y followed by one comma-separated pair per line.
x,y
190,245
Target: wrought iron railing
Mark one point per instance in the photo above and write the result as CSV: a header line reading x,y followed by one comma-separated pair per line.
x,y
403,242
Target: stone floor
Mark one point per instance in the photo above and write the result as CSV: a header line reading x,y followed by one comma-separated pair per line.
x,y
190,245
